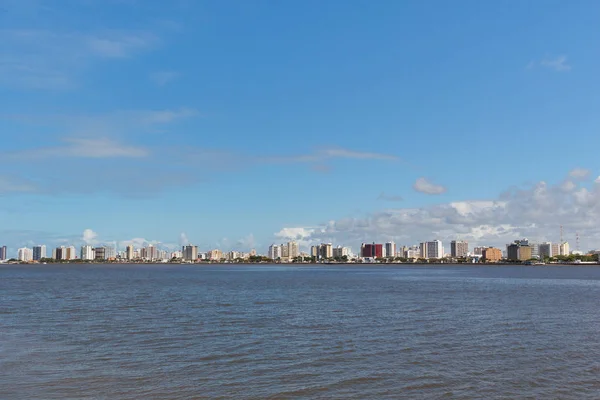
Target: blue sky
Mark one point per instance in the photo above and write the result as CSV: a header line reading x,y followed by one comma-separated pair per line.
x,y
239,123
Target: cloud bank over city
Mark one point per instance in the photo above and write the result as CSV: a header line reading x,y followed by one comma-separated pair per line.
x,y
534,212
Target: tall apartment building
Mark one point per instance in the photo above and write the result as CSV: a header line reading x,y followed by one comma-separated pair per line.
x,y
110,253
71,253
25,254
129,252
3,253
215,255
39,252
314,251
293,250
189,253
423,249
519,250
390,249
274,251
545,250
564,249
87,253
326,251
459,248
555,249
100,253
491,254
59,253
435,249
373,250
339,252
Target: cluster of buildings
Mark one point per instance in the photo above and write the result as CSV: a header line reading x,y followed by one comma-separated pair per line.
x,y
519,250
149,253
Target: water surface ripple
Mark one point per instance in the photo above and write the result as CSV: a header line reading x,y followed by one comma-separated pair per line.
x,y
182,332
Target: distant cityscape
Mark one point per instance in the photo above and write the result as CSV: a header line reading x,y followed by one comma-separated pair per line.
x,y
521,251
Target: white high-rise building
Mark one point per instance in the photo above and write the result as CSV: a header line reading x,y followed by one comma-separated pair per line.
x,y
564,249
39,252
71,253
389,249
293,250
87,253
110,253
25,254
435,249
274,252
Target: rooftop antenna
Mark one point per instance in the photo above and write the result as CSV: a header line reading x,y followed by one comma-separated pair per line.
x,y
561,235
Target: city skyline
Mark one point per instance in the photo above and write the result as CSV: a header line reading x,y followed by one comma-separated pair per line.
x,y
242,125
520,249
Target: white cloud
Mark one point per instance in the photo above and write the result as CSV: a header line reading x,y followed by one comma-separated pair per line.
x,y
183,239
16,185
558,64
44,59
425,186
597,180
568,186
247,242
89,237
84,148
320,156
535,212
579,173
387,197
162,78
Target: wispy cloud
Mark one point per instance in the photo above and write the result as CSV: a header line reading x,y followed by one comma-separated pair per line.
x,y
84,147
162,78
558,64
45,59
16,185
425,186
325,154
579,173
387,197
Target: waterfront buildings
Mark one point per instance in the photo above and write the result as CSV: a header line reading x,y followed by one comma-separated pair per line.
x,y
491,254
373,250
274,252
87,253
341,252
215,255
434,249
413,252
25,254
3,255
100,253
478,251
390,249
564,249
39,252
519,250
545,250
189,253
326,251
110,253
129,252
459,249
